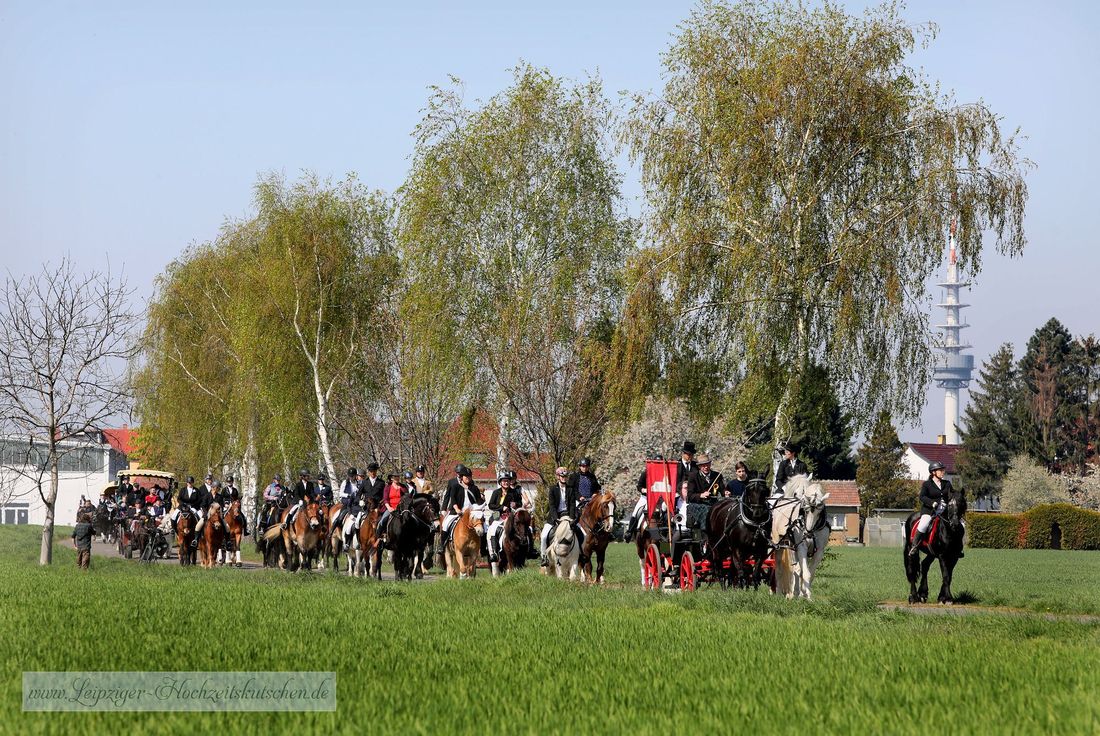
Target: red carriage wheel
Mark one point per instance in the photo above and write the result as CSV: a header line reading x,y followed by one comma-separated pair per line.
x,y
652,568
687,572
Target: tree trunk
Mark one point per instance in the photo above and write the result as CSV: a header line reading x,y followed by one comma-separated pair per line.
x,y
250,480
322,424
783,412
45,555
503,420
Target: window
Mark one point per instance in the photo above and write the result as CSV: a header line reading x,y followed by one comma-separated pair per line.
x,y
15,513
20,454
837,521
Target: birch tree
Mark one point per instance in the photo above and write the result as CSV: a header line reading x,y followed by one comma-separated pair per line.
x,y
65,341
800,179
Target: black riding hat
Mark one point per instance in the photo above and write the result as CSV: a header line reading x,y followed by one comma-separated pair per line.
x,y
372,466
461,469
303,473
421,468
190,479
936,465
584,463
408,475
689,447
352,472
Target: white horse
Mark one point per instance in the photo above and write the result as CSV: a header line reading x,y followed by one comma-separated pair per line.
x,y
800,533
564,550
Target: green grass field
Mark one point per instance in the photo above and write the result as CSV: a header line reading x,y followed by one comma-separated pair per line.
x,y
528,654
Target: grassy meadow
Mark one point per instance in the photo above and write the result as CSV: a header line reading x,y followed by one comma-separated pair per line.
x,y
528,654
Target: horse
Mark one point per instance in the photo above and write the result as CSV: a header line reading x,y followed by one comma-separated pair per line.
x,y
185,533
515,540
740,529
361,552
800,533
563,551
270,546
409,530
234,519
212,537
334,540
597,522
464,547
104,523
944,544
302,539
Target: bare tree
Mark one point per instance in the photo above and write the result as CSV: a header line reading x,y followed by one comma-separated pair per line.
x,y
65,342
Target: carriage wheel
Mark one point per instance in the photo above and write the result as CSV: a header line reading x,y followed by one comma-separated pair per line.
x,y
687,572
652,567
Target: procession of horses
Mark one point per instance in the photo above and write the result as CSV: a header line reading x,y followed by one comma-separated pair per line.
x,y
685,537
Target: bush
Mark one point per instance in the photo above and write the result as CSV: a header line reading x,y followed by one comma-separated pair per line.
x,y
1080,529
995,531
1027,485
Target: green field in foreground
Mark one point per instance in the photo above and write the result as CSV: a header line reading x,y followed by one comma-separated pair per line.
x,y
528,654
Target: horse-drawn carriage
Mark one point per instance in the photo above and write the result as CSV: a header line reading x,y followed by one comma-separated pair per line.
x,y
674,546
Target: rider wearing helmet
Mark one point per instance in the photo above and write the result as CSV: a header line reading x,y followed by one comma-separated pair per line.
x,y
420,480
933,501
502,500
191,498
461,494
304,492
324,490
373,488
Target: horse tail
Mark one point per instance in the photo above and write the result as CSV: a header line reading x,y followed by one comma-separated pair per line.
x,y
273,532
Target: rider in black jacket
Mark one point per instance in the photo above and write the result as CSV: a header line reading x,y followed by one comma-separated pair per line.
x,y
934,493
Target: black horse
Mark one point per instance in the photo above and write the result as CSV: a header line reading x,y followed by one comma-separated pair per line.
x,y
946,546
740,530
409,531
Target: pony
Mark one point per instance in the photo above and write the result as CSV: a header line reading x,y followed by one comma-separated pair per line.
x,y
185,533
800,533
464,547
302,539
361,551
234,519
944,544
597,521
564,551
212,537
515,541
334,541
740,530
409,530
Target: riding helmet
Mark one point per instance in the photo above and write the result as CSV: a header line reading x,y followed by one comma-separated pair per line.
x,y
322,476
461,470
503,475
584,463
279,477
191,479
422,468
408,475
303,473
512,475
352,472
935,465
372,466
229,479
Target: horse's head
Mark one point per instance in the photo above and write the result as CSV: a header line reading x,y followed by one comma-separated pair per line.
x,y
756,492
796,486
426,510
477,518
956,507
599,514
312,513
215,512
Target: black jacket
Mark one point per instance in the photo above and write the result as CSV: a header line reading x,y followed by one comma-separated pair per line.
x,y
574,480
324,493
930,494
700,484
304,491
192,497
785,472
372,490
553,495
501,498
456,495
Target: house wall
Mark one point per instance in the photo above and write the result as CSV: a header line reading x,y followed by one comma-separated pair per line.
x,y
21,503
845,521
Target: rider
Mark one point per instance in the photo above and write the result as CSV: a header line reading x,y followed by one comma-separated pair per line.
x,y
638,513
585,482
304,492
423,485
215,495
324,490
231,493
273,494
349,492
373,488
502,501
933,501
407,479
391,499
191,498
789,467
561,501
461,494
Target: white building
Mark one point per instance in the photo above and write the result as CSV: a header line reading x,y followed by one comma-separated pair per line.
x,y
918,455
87,465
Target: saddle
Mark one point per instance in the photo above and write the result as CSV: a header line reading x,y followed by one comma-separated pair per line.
x,y
927,542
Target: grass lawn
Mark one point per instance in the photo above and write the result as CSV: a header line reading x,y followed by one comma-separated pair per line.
x,y
527,654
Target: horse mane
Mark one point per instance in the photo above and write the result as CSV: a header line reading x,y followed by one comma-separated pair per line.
x,y
796,486
591,510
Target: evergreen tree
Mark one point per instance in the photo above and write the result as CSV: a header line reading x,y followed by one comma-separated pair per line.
x,y
994,422
1047,371
882,472
823,431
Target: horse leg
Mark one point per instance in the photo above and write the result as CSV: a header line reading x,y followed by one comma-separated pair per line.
x,y
600,555
912,573
922,591
947,570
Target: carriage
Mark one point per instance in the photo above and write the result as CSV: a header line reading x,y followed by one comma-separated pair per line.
x,y
676,555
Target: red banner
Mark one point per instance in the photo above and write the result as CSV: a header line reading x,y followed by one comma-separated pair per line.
x,y
660,484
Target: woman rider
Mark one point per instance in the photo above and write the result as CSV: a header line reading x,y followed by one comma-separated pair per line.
x,y
933,500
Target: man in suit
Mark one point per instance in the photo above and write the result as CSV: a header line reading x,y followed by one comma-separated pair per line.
x,y
461,494
706,485
789,467
688,466
373,487
191,498
561,501
304,492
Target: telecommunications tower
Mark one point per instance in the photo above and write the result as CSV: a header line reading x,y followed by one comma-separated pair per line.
x,y
953,368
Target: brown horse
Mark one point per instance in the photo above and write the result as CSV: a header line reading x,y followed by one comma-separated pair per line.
x,y
464,547
334,540
515,540
185,534
302,540
597,521
234,519
212,537
369,551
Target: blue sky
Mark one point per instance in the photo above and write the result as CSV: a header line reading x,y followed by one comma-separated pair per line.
x,y
129,130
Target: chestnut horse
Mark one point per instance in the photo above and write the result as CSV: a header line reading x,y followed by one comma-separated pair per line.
x,y
464,547
302,540
212,537
515,541
597,522
365,548
234,519
334,540
185,534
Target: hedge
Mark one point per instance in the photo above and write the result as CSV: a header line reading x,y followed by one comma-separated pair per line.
x,y
1080,529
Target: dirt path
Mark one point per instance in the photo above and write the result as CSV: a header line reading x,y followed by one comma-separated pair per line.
x,y
929,609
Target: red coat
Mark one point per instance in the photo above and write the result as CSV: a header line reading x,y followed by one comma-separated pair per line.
x,y
394,492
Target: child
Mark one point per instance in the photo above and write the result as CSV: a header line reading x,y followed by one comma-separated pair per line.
x,y
82,535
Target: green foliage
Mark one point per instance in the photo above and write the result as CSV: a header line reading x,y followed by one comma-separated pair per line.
x,y
882,471
790,142
1027,485
1079,528
994,424
1047,370
821,428
995,531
